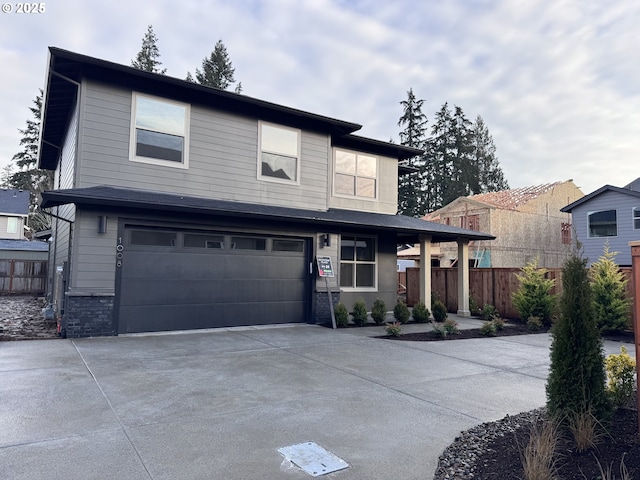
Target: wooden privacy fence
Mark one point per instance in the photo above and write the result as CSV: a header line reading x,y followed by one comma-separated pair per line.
x,y
23,277
486,285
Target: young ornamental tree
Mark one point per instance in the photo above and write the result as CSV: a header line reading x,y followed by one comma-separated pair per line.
x,y
533,297
576,382
611,306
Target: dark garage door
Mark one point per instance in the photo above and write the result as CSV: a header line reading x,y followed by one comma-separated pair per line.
x,y
179,280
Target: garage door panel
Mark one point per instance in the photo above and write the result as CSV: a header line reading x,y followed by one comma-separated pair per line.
x,y
179,289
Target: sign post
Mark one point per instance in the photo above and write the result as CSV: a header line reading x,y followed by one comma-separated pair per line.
x,y
325,269
635,264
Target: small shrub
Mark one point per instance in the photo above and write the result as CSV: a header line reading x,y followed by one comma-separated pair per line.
x,y
474,308
611,305
359,313
379,311
420,313
401,312
489,312
393,329
439,311
439,331
621,372
539,459
534,324
499,323
451,327
489,329
342,315
533,297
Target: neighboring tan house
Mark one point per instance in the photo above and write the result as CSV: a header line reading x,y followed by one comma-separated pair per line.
x,y
527,223
178,206
608,215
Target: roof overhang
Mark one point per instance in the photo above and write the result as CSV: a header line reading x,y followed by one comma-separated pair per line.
x,y
601,190
408,229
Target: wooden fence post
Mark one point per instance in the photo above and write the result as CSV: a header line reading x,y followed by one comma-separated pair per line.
x,y
635,279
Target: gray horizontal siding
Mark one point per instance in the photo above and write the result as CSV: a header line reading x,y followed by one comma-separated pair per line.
x,y
593,247
223,152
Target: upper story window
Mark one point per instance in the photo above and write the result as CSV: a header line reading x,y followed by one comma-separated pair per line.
x,y
636,218
355,174
279,155
566,233
470,222
159,131
603,224
12,225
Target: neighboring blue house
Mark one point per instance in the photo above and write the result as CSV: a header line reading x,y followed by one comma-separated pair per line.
x,y
609,214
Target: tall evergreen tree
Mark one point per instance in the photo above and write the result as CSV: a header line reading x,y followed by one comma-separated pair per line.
x,y
411,186
217,69
490,175
439,159
28,176
576,382
147,58
463,172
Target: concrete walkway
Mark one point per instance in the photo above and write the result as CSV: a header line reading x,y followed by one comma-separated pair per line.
x,y
218,405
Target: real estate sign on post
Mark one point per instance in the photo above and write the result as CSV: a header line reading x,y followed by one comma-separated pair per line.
x,y
325,269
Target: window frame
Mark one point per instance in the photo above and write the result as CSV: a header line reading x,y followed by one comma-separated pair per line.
x,y
268,178
566,233
635,218
133,136
376,179
589,214
355,262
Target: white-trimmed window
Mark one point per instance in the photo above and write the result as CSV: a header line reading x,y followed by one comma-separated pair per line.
x,y
603,223
358,262
355,174
159,131
636,218
279,154
12,224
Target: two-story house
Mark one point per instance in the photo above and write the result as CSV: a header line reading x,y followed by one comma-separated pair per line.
x,y
178,206
14,210
527,223
609,215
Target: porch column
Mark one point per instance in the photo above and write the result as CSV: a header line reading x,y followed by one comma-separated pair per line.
x,y
635,282
425,270
463,278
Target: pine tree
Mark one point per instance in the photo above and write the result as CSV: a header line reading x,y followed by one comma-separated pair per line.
x,y
217,69
411,186
490,175
147,58
28,176
439,159
610,303
576,382
463,173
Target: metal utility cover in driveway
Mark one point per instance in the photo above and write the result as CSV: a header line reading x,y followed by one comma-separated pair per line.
x,y
313,459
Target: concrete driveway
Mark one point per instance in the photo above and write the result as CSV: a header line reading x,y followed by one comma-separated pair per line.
x,y
219,405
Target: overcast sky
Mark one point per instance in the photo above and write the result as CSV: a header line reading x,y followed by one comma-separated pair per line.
x,y
557,82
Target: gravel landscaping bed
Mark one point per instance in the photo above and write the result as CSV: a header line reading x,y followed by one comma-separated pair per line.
x,y
22,318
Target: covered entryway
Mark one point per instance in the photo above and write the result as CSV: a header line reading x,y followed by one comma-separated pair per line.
x,y
173,279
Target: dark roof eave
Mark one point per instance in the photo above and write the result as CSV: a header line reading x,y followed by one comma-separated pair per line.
x,y
597,192
108,197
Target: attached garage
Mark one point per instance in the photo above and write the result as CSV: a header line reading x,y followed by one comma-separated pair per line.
x,y
171,279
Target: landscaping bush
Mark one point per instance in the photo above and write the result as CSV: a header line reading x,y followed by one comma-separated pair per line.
x,y
439,330
621,376
359,313
379,311
533,297
474,308
393,329
499,323
611,305
534,324
576,383
420,313
401,312
451,327
439,311
489,329
342,315
489,312
539,458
